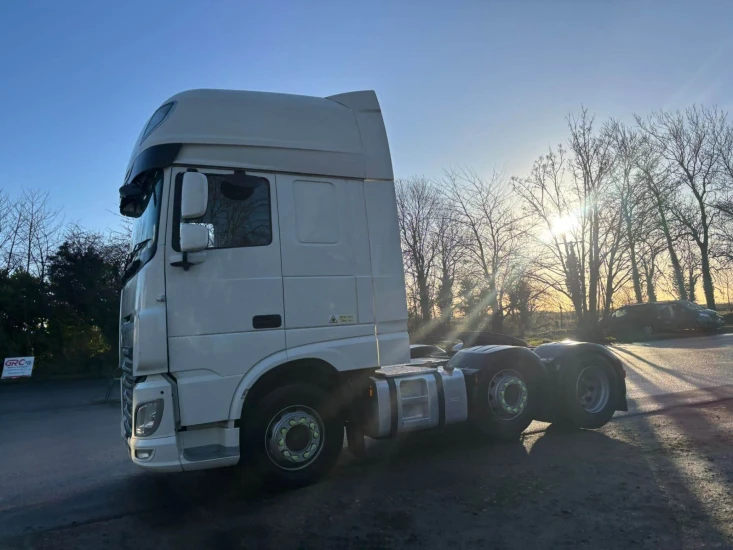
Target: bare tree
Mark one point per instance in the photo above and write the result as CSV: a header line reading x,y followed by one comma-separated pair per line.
x,y
724,146
591,164
30,232
524,297
691,266
724,248
119,240
613,258
11,222
626,144
7,230
620,214
652,245
724,278
688,141
450,239
418,207
656,178
724,204
488,211
555,207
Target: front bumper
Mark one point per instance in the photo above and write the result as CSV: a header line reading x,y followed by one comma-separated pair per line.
x,y
172,450
711,322
164,453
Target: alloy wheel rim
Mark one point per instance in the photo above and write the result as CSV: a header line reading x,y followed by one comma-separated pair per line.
x,y
508,395
294,438
593,389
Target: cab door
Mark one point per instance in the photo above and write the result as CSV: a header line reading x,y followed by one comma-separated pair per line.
x,y
224,303
327,273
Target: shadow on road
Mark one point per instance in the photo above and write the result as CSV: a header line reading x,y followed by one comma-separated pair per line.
x,y
431,490
693,340
696,483
668,371
661,398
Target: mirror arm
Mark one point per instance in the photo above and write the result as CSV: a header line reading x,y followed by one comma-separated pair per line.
x,y
183,262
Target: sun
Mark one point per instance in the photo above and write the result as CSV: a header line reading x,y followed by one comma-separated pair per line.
x,y
564,225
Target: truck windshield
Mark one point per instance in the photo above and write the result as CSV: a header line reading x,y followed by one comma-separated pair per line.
x,y
145,228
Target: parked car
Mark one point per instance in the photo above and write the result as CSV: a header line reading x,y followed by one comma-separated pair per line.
x,y
468,339
420,352
655,317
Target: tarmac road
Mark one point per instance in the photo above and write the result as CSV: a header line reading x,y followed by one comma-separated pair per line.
x,y
665,373
63,463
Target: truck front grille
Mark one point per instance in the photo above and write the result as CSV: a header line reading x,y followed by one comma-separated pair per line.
x,y
127,384
127,381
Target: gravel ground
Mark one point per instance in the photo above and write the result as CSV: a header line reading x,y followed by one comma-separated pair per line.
x,y
657,481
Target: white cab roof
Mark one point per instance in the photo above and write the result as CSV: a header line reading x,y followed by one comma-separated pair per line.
x,y
342,135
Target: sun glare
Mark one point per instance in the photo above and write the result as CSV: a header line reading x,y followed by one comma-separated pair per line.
x,y
564,225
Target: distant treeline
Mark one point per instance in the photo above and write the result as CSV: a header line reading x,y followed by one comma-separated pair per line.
x,y
59,290
619,213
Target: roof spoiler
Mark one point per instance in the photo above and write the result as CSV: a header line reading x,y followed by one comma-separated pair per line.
x,y
368,115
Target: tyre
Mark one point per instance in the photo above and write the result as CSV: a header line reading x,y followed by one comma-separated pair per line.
x,y
648,331
505,401
588,393
290,438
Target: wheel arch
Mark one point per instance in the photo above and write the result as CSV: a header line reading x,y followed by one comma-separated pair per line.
x,y
559,355
259,382
477,359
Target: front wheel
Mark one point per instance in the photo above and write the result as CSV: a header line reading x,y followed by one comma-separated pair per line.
x,y
588,393
291,437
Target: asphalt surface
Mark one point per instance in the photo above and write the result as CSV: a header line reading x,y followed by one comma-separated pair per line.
x,y
683,371
63,462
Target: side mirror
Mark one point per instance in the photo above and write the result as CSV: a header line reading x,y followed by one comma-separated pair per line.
x,y
194,195
194,237
131,196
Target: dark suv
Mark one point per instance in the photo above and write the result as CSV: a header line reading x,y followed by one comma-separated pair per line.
x,y
654,317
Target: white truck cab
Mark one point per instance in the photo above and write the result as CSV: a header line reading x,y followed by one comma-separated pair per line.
x,y
264,293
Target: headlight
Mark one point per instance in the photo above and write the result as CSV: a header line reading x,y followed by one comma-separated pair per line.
x,y
703,315
147,417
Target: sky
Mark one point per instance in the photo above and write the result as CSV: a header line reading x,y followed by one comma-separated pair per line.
x,y
485,84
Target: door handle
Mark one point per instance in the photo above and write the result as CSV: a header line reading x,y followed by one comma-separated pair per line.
x,y
267,321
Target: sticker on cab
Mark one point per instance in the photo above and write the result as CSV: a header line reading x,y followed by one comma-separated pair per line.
x,y
342,319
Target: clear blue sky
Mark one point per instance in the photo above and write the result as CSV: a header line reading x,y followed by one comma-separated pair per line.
x,y
484,83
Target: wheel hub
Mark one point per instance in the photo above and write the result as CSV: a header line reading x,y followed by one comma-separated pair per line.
x,y
507,395
298,438
294,437
593,389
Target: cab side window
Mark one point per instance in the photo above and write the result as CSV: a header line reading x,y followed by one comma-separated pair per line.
x,y
238,213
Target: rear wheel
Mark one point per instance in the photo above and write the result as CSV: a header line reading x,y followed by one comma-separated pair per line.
x,y
505,401
291,437
588,392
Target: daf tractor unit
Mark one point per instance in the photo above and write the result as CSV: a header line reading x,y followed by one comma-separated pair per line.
x,y
263,314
